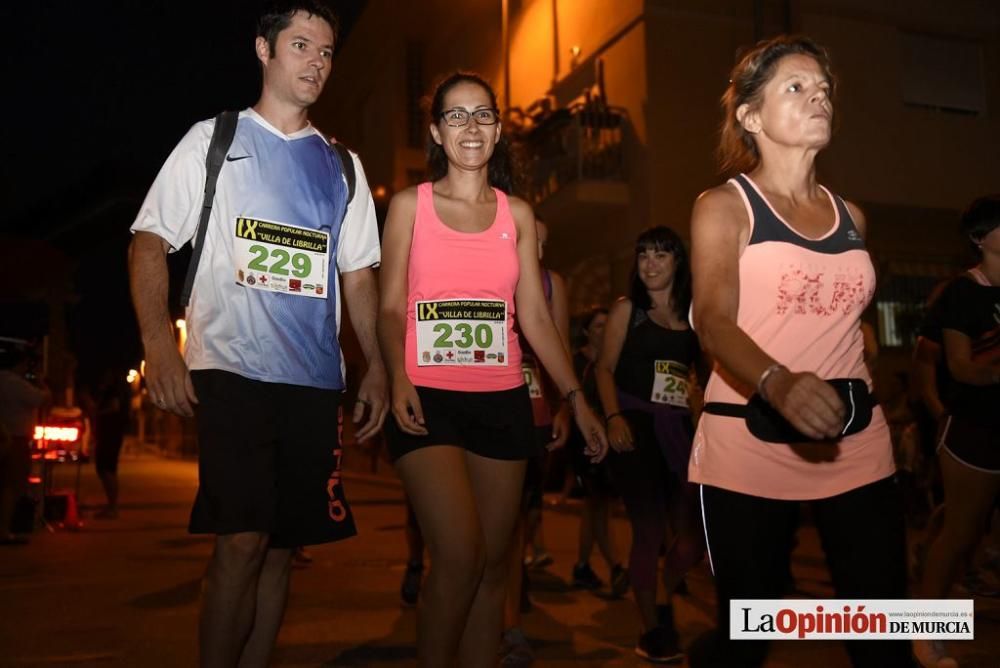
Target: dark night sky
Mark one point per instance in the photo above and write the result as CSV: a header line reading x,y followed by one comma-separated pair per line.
x,y
96,96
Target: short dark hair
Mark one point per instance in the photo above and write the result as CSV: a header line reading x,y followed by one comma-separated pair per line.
x,y
500,172
737,148
587,319
981,218
277,15
662,238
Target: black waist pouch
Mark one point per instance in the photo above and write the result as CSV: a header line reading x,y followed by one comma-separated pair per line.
x,y
767,424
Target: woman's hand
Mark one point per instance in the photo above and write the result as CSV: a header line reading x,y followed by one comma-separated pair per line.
x,y
592,430
406,406
808,402
560,429
620,434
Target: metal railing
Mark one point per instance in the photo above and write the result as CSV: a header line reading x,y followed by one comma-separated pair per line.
x,y
570,145
904,286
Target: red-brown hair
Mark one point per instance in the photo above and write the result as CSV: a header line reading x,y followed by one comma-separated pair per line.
x,y
737,149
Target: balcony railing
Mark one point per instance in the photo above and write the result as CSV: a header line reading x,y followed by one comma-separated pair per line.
x,y
572,145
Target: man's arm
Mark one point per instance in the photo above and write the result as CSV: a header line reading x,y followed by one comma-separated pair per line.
x,y
361,296
167,379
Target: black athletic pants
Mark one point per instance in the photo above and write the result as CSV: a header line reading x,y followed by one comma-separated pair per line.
x,y
749,544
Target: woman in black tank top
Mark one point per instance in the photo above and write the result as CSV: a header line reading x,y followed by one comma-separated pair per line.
x,y
969,442
644,377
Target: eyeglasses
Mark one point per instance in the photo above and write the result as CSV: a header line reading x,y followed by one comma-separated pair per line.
x,y
459,117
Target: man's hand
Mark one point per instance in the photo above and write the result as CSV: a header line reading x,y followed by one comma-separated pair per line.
x,y
168,380
372,398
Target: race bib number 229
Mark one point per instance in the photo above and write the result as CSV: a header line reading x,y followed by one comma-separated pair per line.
x,y
281,258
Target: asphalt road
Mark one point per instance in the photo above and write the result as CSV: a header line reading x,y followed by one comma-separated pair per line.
x,y
124,592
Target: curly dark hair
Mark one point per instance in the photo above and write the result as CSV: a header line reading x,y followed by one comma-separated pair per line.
x,y
662,238
737,148
500,167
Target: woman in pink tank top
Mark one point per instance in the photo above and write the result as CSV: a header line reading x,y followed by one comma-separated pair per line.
x,y
781,277
459,259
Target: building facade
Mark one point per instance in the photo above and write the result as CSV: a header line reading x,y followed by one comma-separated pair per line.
x,y
616,104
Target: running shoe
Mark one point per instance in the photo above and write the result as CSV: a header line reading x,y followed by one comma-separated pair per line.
x,y
409,591
106,513
540,560
584,577
300,557
515,649
619,581
525,604
931,654
659,645
918,557
977,585
991,559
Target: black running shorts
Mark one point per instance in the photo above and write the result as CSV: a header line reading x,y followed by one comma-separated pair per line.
x,y
974,444
497,425
269,461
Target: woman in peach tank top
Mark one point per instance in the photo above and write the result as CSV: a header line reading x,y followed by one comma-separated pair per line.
x,y
459,259
781,277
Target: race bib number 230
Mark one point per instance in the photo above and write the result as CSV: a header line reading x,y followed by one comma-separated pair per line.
x,y
281,258
461,332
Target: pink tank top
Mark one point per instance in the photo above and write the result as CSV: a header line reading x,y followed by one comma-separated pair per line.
x,y
801,301
460,307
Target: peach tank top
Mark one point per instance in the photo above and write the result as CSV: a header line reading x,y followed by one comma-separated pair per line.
x,y
801,301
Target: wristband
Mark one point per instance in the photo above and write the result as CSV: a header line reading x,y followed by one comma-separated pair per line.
x,y
569,397
613,415
767,374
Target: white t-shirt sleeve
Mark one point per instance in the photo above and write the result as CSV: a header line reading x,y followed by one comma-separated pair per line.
x,y
358,246
173,204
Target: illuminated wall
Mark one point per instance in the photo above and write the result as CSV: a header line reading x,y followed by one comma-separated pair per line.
x,y
544,51
667,63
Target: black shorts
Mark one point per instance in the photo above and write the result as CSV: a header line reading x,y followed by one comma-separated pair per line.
x,y
109,446
269,461
496,425
973,444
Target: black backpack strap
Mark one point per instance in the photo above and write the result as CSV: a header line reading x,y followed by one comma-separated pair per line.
x,y
222,138
346,167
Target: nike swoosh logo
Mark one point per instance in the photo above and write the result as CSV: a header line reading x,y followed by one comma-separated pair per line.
x,y
230,158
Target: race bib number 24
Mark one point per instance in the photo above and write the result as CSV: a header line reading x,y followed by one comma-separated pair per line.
x,y
670,383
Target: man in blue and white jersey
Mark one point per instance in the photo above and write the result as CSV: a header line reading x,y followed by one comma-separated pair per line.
x,y
263,370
